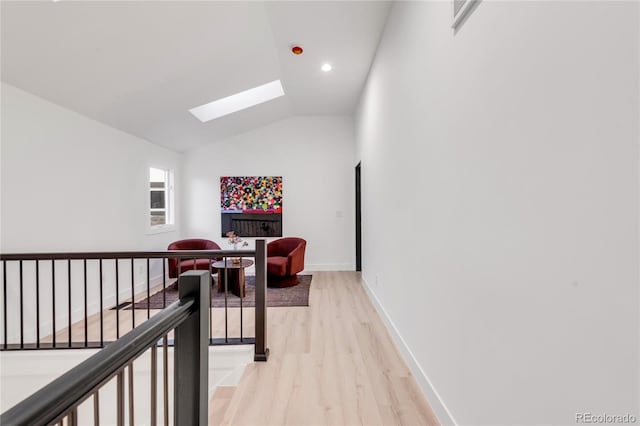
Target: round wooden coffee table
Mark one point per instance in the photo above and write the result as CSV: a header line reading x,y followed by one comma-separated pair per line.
x,y
235,275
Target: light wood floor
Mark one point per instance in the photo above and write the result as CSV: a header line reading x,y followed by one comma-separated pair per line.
x,y
332,363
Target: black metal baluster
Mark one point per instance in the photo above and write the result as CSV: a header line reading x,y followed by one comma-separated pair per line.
x,y
53,299
131,413
211,302
37,304
72,418
21,309
96,409
164,284
226,286
117,300
4,302
148,291
86,326
133,311
165,370
241,285
69,298
120,396
154,384
101,308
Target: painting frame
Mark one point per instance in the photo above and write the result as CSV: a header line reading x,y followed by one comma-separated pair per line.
x,y
251,206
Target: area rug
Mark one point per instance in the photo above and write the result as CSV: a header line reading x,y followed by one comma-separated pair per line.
x,y
276,297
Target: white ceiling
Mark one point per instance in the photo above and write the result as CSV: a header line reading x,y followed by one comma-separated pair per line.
x,y
140,66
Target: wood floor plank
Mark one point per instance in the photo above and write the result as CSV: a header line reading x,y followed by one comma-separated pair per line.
x,y
219,403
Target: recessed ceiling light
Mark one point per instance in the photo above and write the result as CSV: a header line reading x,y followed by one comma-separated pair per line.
x,y
238,102
326,67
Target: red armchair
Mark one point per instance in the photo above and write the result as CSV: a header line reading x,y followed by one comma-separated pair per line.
x,y
285,258
186,264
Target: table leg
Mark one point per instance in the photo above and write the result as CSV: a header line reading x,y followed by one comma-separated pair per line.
x,y
220,280
236,283
241,281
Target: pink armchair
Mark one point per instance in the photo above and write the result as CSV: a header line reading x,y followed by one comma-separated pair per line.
x,y
285,258
188,264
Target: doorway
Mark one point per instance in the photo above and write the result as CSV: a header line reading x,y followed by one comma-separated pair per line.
x,y
358,220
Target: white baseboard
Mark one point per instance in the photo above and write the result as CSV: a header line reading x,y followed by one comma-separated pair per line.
x,y
310,267
439,408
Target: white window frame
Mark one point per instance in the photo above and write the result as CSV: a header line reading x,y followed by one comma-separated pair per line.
x,y
169,197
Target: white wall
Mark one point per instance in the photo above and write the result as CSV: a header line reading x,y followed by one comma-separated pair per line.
x,y
72,183
69,183
504,158
313,154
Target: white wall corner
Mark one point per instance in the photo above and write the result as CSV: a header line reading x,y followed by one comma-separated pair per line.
x,y
431,394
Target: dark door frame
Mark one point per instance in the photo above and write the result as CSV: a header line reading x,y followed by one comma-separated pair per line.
x,y
358,219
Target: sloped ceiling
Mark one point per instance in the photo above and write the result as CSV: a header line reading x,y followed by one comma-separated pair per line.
x,y
140,66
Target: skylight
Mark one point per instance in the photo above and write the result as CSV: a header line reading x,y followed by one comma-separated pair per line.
x,y
238,102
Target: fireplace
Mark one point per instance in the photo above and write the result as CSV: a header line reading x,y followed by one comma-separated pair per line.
x,y
252,224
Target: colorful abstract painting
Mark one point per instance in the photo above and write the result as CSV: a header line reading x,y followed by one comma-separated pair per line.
x,y
251,194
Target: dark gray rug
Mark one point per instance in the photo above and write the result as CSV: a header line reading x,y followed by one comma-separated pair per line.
x,y
297,295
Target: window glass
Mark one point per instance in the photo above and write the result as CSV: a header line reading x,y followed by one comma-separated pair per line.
x,y
160,197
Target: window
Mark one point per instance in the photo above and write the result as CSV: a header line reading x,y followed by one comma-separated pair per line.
x,y
160,198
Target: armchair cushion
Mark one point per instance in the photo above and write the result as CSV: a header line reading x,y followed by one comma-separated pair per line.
x,y
277,265
186,264
285,258
200,264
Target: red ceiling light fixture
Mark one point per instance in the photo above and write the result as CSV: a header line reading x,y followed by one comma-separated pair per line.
x,y
296,50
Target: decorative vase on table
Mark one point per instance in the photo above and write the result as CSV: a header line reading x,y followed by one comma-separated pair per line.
x,y
235,260
236,242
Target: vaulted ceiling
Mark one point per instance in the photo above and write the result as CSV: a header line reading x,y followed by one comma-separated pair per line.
x,y
140,66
